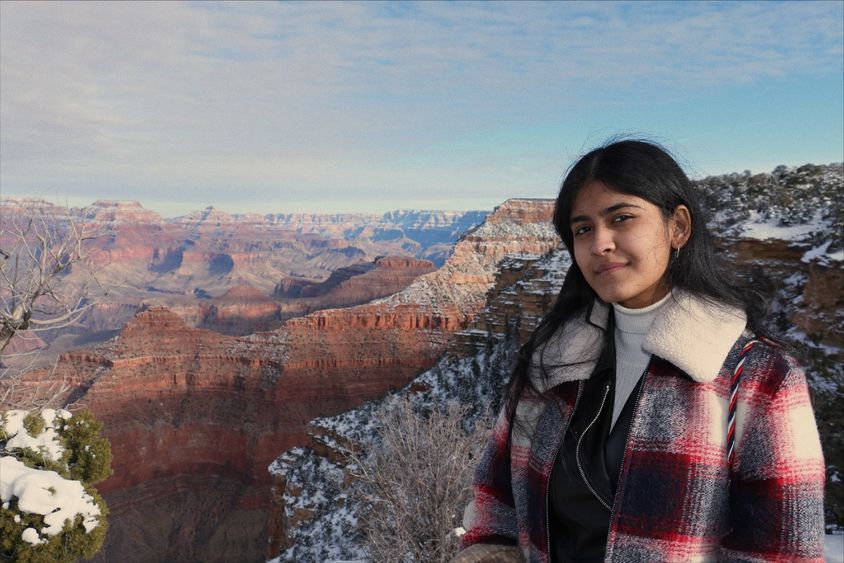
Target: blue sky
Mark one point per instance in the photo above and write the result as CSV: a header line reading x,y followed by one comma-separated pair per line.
x,y
283,107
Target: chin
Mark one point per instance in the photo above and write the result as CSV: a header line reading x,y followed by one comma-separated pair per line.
x,y
613,295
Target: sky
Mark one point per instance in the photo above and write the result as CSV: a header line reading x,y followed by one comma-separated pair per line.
x,y
375,106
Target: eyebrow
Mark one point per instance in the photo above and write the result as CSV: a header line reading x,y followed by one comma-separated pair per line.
x,y
604,212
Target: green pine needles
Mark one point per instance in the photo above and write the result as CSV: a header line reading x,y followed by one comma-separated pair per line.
x,y
49,508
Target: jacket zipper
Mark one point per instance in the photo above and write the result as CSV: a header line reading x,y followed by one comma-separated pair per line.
x,y
577,451
624,457
553,462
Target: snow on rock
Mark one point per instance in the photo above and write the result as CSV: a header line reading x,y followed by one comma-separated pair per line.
x,y
761,228
801,205
822,255
322,500
470,271
47,493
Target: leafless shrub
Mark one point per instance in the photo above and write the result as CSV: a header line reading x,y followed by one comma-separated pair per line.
x,y
37,249
16,392
416,483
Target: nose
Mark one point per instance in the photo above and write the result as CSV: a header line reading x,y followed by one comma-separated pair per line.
x,y
602,242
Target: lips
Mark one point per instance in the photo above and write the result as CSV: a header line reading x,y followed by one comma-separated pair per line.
x,y
609,268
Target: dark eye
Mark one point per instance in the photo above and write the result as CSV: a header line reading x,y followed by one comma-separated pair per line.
x,y
620,218
581,230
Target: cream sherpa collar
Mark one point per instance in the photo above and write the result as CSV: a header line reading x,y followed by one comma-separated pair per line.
x,y
692,333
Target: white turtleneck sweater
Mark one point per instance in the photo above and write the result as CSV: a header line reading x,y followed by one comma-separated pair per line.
x,y
631,326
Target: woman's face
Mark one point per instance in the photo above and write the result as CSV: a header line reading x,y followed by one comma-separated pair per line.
x,y
622,244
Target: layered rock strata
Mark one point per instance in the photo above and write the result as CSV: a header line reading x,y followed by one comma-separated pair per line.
x,y
139,258
315,513
350,286
191,411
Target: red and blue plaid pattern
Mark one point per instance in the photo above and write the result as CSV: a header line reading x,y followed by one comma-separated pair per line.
x,y
678,497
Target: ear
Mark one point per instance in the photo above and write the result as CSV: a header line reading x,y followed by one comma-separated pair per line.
x,y
681,226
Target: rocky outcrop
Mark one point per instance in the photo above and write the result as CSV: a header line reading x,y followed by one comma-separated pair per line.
x,y
122,212
524,291
291,288
354,278
206,412
822,312
809,292
240,311
314,521
349,286
470,272
523,211
193,417
244,309
413,327
417,323
390,273
191,411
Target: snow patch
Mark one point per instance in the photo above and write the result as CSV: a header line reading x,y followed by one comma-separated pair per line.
x,y
821,254
47,442
47,493
761,228
30,535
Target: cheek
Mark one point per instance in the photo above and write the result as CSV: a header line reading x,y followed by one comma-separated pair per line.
x,y
655,259
580,256
651,247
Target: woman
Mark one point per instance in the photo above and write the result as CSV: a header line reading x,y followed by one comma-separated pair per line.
x,y
615,441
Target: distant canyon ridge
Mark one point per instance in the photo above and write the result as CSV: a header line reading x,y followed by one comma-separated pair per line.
x,y
238,274
216,339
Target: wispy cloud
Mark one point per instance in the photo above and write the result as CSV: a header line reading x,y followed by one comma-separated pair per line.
x,y
311,96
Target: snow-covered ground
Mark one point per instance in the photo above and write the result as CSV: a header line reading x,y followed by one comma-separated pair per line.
x,y
800,205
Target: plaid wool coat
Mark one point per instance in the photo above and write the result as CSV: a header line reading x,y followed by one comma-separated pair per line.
x,y
677,499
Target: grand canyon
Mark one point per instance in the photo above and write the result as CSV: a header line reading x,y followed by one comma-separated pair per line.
x,y
224,354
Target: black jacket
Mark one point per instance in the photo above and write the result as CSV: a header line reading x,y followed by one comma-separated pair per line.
x,y
586,469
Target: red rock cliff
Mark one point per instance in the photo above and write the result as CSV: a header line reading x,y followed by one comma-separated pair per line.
x,y
195,416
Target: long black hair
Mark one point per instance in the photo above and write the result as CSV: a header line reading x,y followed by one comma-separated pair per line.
x,y
646,170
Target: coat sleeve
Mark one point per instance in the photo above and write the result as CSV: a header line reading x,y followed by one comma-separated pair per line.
x,y
491,517
777,480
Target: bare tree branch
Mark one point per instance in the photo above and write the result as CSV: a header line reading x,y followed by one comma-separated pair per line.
x,y
38,248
